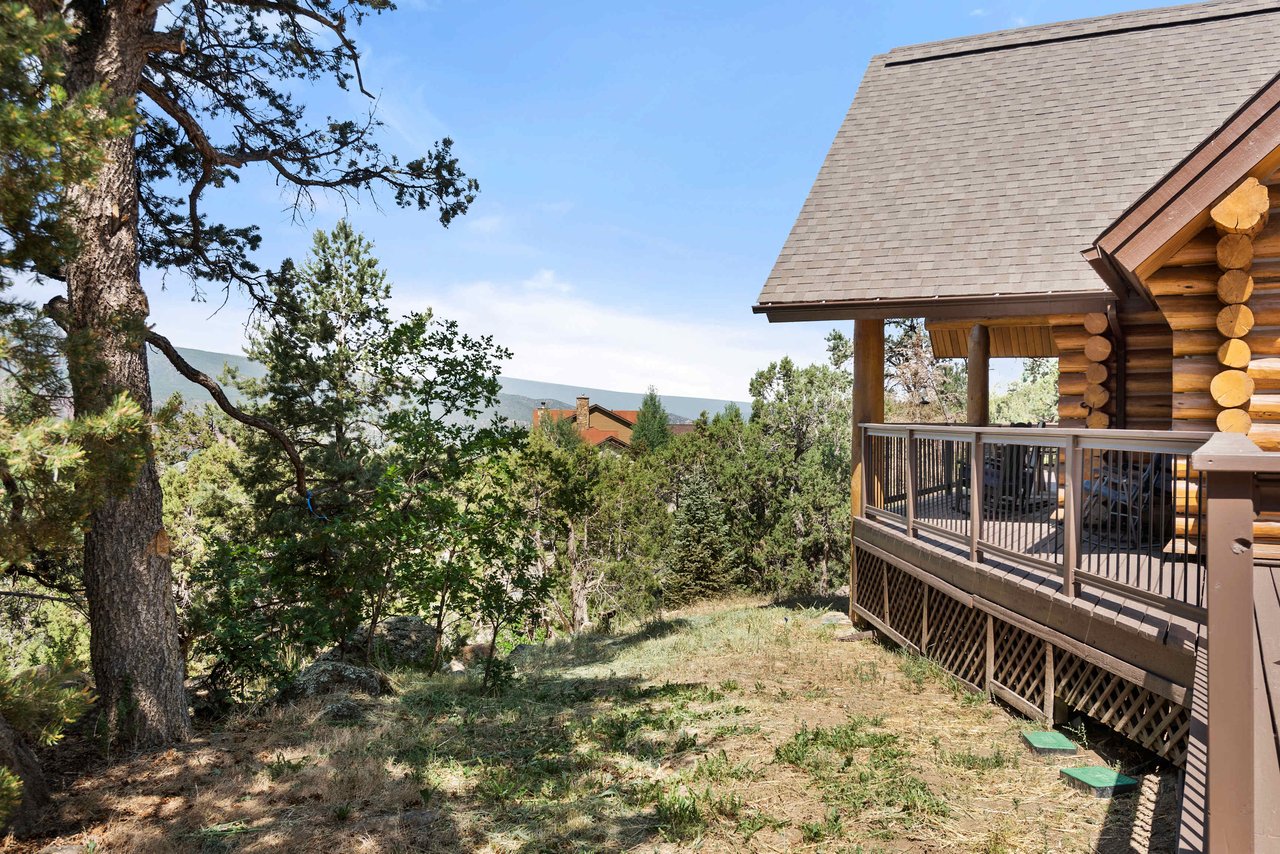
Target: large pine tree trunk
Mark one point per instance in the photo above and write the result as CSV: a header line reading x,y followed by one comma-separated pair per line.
x,y
134,646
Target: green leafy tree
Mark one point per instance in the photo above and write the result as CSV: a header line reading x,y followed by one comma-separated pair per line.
x,y
698,556
801,418
1032,398
558,477
214,90
652,429
50,139
385,412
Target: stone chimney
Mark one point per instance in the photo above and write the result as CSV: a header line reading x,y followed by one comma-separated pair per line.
x,y
583,417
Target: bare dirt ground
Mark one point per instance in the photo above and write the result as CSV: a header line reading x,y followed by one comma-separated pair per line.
x,y
734,726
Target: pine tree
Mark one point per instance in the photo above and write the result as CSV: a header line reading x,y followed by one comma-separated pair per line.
x,y
698,556
652,430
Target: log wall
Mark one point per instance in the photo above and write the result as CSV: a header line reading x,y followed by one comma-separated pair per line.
x,y
1220,295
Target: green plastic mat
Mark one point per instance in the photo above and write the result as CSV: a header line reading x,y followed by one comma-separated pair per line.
x,y
1048,741
1102,781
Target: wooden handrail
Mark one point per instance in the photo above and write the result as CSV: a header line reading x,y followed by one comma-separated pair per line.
x,y
1183,441
1084,460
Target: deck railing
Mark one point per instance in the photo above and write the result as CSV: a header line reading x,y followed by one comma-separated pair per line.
x,y
1116,509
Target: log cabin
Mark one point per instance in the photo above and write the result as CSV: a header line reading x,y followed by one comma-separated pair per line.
x,y
1103,192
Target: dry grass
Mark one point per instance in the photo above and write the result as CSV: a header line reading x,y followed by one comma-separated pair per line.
x,y
732,726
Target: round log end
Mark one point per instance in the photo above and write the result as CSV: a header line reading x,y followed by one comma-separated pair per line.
x,y
1096,373
1235,286
1234,353
1234,421
1096,396
1244,211
1231,388
1235,321
1096,323
1235,252
1098,421
1097,349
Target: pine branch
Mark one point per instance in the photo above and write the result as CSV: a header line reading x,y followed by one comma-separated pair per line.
x,y
56,309
155,339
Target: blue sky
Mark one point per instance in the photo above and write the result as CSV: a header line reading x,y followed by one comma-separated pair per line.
x,y
640,165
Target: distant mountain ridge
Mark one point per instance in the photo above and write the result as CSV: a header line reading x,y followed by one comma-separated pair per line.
x,y
517,401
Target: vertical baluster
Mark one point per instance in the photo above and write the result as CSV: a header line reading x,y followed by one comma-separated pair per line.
x,y
1073,472
910,472
975,497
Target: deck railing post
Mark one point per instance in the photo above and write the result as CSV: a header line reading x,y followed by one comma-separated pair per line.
x,y
975,498
1232,659
912,461
1073,474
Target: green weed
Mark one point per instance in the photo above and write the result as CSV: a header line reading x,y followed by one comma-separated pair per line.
x,y
281,767
718,767
680,816
973,761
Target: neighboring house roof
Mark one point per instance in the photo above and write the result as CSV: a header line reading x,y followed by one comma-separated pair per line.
x,y
980,168
622,416
598,437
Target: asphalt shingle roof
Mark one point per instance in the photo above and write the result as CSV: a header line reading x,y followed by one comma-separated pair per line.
x,y
984,165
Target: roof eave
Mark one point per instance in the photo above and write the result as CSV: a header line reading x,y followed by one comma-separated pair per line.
x,y
938,308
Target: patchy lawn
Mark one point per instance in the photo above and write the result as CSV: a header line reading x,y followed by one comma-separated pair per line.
x,y
735,726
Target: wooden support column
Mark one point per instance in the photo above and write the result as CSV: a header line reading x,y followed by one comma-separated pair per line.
x,y
979,399
868,407
1233,653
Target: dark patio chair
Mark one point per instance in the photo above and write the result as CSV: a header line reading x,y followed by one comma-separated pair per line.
x,y
1127,503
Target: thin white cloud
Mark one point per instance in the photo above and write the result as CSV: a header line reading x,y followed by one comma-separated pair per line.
x,y
487,224
978,13
558,334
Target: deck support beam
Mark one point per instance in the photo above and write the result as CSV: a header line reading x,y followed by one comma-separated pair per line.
x,y
868,408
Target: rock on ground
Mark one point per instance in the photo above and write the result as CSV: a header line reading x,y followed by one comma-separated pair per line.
x,y
403,641
835,619
344,711
327,677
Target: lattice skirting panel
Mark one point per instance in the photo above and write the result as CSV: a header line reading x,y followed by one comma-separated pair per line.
x,y
1023,669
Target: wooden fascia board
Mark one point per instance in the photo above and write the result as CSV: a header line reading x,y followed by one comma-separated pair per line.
x,y
942,308
1177,207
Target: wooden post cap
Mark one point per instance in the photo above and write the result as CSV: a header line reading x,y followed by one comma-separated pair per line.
x,y
1096,373
1231,388
1235,286
1235,252
1234,421
1234,353
1243,211
1097,348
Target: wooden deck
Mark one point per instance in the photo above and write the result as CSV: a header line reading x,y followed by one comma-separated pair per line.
x,y
1156,645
